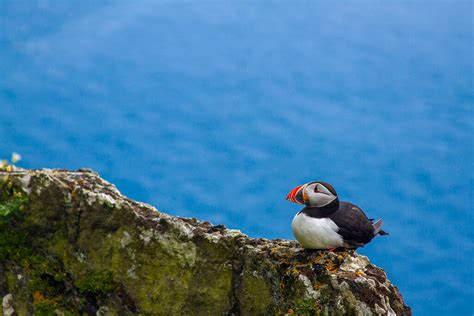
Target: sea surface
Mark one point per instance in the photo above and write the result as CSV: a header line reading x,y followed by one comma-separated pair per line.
x,y
216,109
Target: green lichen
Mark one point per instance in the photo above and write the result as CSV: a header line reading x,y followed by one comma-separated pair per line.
x,y
255,297
209,289
43,306
43,278
44,275
306,307
97,283
12,240
12,244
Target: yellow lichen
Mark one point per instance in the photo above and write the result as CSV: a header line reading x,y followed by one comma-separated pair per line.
x,y
43,305
331,267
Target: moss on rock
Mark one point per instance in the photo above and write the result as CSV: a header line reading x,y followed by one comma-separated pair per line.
x,y
96,283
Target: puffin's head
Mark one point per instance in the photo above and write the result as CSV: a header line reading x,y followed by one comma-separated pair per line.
x,y
314,194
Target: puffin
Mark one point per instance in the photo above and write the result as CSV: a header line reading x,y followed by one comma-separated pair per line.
x,y
327,223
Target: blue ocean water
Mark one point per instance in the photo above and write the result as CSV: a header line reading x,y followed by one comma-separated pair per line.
x,y
216,110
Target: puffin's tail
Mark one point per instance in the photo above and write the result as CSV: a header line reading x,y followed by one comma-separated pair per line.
x,y
378,228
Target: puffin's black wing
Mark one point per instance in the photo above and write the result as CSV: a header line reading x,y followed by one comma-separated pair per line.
x,y
354,226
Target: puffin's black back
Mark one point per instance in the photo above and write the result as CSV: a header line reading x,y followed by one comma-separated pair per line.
x,y
354,226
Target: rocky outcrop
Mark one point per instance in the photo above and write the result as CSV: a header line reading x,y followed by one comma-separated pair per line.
x,y
71,244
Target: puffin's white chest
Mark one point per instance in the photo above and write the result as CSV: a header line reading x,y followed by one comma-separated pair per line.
x,y
316,233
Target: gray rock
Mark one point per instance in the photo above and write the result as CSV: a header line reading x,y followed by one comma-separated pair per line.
x,y
7,305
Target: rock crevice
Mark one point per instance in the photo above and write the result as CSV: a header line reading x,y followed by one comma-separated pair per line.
x,y
71,244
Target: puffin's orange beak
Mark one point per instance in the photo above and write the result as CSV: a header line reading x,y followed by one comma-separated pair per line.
x,y
292,196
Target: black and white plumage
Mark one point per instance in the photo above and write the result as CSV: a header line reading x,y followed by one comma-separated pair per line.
x,y
327,223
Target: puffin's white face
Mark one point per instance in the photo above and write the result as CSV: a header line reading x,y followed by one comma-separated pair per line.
x,y
315,194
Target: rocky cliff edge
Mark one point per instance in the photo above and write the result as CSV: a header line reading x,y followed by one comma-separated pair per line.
x,y
71,244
